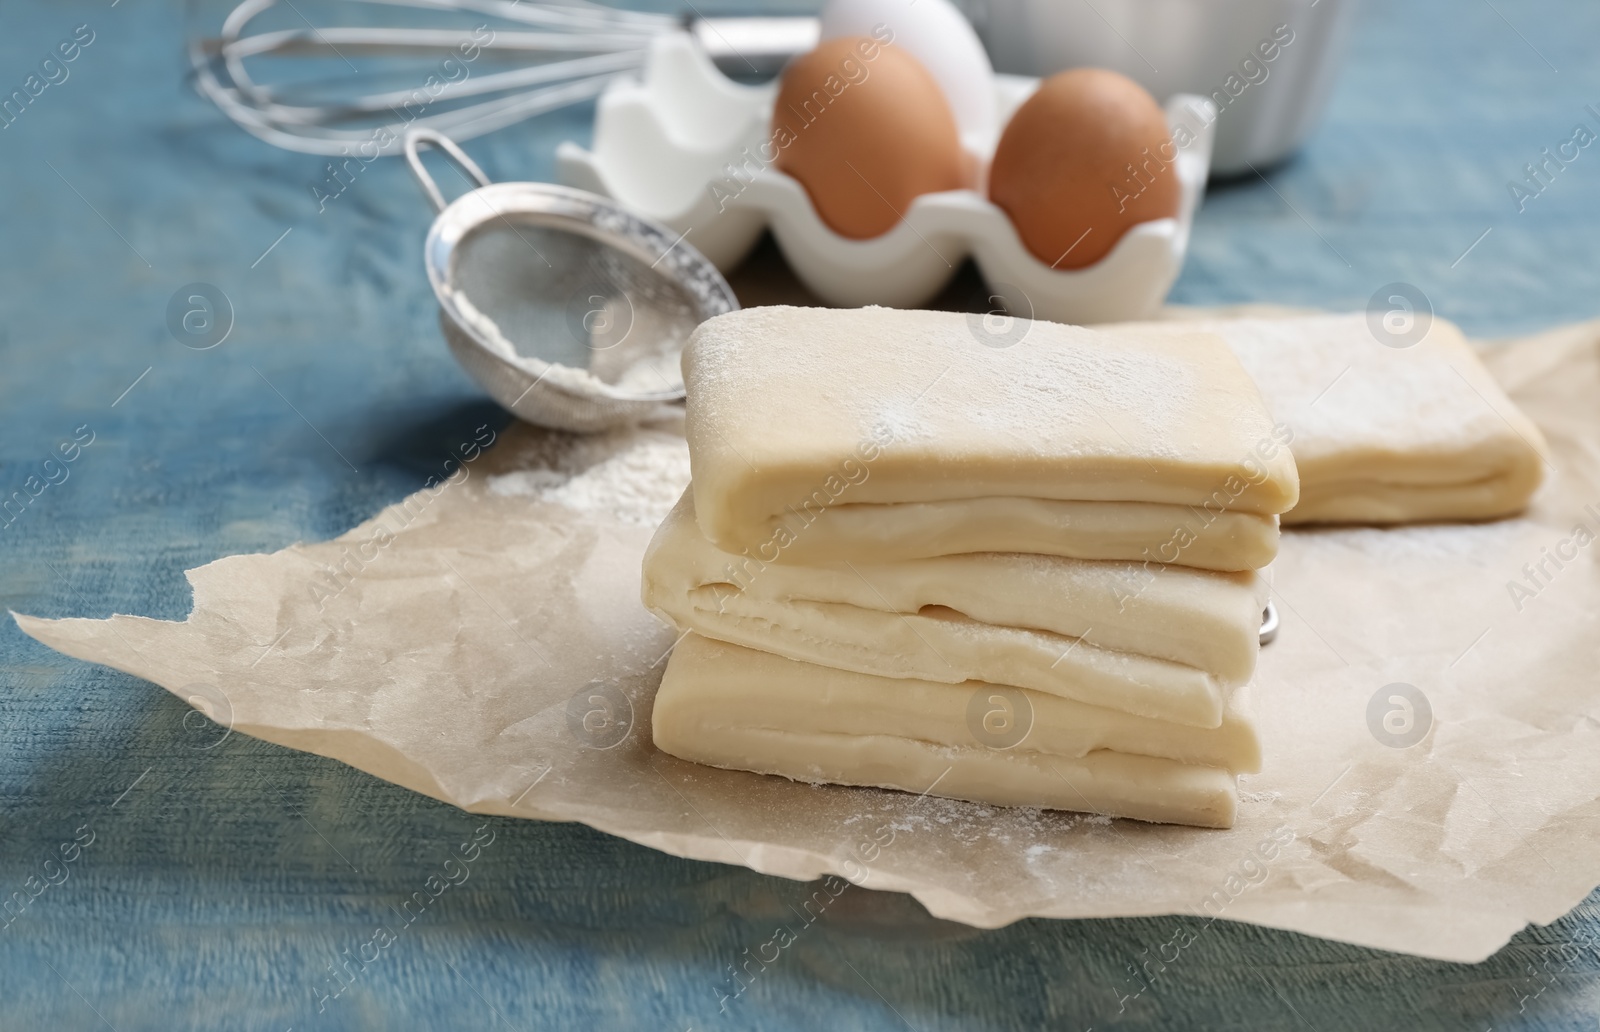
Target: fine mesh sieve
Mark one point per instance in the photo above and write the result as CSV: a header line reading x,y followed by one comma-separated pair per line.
x,y
570,311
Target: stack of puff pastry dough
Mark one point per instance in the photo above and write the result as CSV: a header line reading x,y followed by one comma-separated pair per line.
x,y
1022,575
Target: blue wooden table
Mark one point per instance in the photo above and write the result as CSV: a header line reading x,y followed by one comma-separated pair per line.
x,y
175,882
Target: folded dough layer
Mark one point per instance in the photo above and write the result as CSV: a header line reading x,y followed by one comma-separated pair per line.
x,y
745,710
1206,538
1367,499
727,686
795,410
1387,434
1157,641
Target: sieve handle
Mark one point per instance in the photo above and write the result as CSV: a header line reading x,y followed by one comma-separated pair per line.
x,y
434,138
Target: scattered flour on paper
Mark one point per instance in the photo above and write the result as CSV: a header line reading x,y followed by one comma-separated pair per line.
x,y
633,474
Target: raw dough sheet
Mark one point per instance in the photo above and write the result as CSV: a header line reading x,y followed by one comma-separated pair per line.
x,y
496,645
738,708
1163,642
1093,443
1405,432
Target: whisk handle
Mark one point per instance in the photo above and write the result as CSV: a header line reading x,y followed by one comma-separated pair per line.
x,y
434,138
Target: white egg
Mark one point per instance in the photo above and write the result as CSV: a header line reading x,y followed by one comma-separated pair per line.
x,y
941,38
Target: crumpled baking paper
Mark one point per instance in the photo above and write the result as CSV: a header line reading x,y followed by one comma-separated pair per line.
x,y
1430,708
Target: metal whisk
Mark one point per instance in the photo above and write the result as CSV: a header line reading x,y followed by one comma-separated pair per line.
x,y
565,51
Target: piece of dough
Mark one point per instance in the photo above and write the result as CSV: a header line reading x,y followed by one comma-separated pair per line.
x,y
717,686
1204,538
793,411
742,709
1387,434
1160,641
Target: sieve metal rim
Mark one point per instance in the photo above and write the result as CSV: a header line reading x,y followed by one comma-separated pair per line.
x,y
569,210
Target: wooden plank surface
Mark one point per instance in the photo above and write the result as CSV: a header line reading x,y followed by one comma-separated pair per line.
x,y
228,884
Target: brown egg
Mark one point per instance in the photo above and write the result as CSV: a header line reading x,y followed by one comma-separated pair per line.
x,y
1082,161
866,130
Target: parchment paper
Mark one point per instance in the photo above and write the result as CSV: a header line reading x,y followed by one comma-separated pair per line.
x,y
484,644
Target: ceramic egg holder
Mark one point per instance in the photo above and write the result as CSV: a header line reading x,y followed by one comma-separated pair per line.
x,y
684,146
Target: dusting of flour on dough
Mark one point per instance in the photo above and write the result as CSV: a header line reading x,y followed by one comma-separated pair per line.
x,y
632,474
